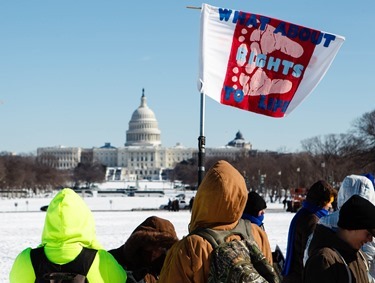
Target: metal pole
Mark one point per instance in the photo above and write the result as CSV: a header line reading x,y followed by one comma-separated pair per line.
x,y
201,143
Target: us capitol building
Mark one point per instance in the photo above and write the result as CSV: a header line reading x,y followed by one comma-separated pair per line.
x,y
142,156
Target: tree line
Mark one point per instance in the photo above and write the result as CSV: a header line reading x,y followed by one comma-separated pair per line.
x,y
330,157
28,175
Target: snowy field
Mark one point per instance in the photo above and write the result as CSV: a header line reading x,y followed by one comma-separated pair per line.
x,y
22,224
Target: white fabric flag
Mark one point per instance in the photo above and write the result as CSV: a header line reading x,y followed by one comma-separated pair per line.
x,y
261,64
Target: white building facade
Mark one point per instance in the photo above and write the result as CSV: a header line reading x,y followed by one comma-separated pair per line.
x,y
142,156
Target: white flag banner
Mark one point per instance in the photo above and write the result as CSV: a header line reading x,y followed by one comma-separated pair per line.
x,y
261,64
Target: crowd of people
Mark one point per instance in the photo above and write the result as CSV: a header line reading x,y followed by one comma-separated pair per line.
x,y
326,242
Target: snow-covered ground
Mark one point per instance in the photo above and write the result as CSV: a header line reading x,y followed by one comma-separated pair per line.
x,y
21,224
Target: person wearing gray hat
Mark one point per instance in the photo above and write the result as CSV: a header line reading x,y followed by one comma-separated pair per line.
x,y
335,256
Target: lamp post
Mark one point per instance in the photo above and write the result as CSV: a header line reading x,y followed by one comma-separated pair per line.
x,y
259,181
298,171
280,185
323,165
262,182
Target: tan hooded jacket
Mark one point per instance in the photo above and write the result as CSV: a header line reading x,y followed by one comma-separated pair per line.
x,y
218,204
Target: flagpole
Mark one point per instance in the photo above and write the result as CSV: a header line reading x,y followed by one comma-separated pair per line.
x,y
201,138
201,142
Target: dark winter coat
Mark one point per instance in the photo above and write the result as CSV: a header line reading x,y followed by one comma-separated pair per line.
x,y
326,263
144,252
305,225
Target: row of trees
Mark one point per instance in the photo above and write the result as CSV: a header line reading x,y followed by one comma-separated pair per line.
x,y
25,175
330,157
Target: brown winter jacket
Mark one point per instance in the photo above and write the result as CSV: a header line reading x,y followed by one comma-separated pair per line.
x,y
144,252
325,265
218,204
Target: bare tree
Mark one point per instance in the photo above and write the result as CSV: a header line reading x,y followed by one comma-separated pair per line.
x,y
329,156
89,173
363,133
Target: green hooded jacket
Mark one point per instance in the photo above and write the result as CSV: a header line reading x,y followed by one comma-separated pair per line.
x,y
69,226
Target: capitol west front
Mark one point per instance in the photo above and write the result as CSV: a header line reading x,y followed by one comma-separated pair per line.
x,y
142,156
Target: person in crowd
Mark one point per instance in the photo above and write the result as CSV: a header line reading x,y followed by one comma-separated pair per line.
x,y
351,185
318,202
335,256
370,177
255,209
169,205
143,253
191,202
69,226
254,212
218,204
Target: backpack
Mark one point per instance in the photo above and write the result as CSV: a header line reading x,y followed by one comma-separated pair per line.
x,y
71,272
237,261
131,278
278,261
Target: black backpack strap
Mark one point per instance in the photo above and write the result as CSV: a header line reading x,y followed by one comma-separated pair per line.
x,y
83,261
37,256
80,265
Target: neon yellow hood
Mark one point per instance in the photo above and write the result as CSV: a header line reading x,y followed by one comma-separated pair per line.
x,y
69,223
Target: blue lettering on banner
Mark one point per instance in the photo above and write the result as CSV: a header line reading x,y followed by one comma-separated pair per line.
x,y
245,19
269,62
241,53
224,14
297,70
273,104
238,94
265,102
305,34
294,31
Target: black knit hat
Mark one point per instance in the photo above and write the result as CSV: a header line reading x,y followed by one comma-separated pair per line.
x,y
254,204
357,213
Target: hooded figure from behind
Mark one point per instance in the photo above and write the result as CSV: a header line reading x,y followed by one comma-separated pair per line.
x,y
218,204
69,225
143,254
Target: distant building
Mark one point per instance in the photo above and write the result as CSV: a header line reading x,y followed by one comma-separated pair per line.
x,y
142,156
60,157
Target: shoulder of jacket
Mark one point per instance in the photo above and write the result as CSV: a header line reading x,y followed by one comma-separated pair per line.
x,y
330,254
105,255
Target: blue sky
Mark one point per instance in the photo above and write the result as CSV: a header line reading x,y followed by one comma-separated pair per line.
x,y
72,73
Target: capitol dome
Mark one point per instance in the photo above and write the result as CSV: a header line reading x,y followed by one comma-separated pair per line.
x,y
239,141
143,126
